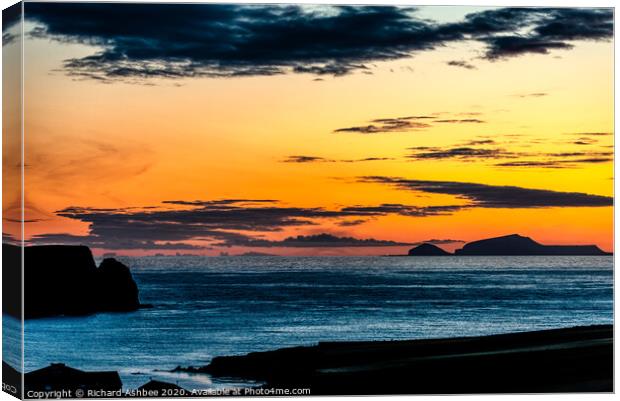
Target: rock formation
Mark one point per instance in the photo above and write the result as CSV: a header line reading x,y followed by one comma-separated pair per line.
x,y
427,250
518,245
64,280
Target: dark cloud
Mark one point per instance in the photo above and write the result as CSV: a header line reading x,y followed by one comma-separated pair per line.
x,y
440,241
11,16
325,240
8,38
461,64
98,242
216,222
305,159
579,154
317,159
496,196
461,121
460,153
533,163
592,133
511,46
593,160
476,142
149,229
404,124
585,141
366,159
399,120
314,241
336,70
183,40
543,159
351,223
203,217
562,160
380,125
430,148
217,202
576,24
23,221
190,40
535,94
547,29
402,210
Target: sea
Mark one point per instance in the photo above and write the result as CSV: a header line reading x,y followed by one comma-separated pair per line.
x,y
205,307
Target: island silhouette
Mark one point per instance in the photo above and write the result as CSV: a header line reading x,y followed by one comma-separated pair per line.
x,y
427,249
509,245
64,280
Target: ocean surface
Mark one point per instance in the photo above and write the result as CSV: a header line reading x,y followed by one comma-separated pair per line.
x,y
210,306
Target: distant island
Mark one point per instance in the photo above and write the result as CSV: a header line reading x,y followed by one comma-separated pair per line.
x,y
427,249
509,245
255,254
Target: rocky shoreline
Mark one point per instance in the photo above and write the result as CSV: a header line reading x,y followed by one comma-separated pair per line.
x,y
578,359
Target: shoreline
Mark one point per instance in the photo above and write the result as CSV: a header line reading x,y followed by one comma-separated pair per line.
x,y
578,359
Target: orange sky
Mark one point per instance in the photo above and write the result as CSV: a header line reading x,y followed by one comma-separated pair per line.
x,y
127,144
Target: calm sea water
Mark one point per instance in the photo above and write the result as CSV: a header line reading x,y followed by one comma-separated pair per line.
x,y
205,307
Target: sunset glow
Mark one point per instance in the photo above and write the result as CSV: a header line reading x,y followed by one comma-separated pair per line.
x,y
205,164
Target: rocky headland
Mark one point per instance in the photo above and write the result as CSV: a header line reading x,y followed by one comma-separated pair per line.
x,y
64,280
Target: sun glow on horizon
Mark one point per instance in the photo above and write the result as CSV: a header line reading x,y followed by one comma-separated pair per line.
x,y
268,157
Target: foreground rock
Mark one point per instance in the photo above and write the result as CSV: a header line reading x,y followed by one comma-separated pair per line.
x,y
64,280
427,250
163,388
518,245
577,359
60,377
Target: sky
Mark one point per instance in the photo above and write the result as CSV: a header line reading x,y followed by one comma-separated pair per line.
x,y
298,130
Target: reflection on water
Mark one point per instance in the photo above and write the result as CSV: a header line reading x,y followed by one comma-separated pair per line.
x,y
205,307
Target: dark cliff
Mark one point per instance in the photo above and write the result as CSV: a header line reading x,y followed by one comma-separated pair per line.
x,y
518,245
64,280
